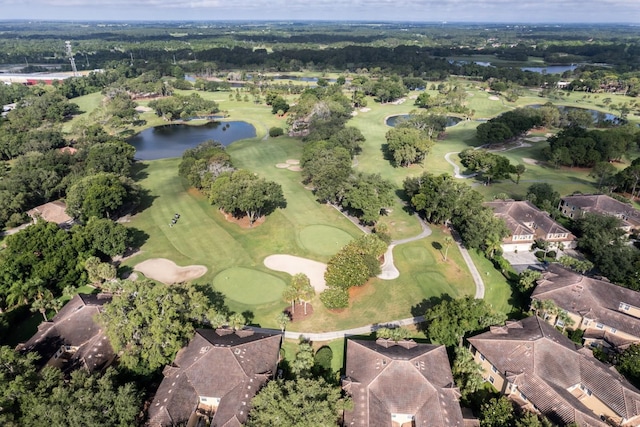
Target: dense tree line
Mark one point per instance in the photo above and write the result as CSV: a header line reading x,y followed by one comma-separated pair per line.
x,y
45,258
330,146
441,199
508,125
45,398
603,241
577,146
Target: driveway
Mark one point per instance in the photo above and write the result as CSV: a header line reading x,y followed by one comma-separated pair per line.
x,y
523,260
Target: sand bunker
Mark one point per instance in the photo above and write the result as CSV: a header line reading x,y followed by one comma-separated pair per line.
x,y
295,168
536,138
293,161
494,98
529,161
166,271
294,265
282,165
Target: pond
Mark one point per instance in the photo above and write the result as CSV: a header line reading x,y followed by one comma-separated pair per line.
x,y
163,142
393,120
551,69
599,117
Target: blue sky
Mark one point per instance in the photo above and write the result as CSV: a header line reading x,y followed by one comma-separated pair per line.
x,y
521,11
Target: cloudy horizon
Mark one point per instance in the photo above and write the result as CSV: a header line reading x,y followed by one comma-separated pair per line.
x,y
498,11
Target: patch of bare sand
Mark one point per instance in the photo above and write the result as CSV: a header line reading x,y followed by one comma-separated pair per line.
x,y
494,98
168,272
293,265
293,161
529,161
295,168
536,138
282,165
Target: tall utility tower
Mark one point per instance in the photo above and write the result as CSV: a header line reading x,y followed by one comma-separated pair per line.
x,y
67,44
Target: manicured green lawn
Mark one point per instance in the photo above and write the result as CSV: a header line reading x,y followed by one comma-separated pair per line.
x,y
249,286
204,237
234,255
323,240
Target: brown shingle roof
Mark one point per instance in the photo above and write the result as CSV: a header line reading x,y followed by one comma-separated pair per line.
x,y
51,212
216,364
603,204
595,299
519,215
383,381
74,326
547,363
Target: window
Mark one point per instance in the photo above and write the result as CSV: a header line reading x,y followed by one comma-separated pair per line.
x,y
624,306
523,396
560,323
599,326
482,357
494,369
613,330
491,379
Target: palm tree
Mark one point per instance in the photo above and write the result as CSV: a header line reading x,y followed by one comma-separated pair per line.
x,y
217,320
56,304
42,303
448,241
306,293
283,320
290,295
237,321
21,292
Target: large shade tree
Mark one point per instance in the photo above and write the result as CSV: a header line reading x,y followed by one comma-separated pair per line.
x,y
147,323
303,402
242,193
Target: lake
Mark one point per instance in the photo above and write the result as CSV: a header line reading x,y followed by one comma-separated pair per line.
x,y
392,120
599,117
163,142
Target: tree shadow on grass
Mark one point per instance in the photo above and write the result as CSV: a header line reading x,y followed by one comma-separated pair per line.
x,y
421,308
216,298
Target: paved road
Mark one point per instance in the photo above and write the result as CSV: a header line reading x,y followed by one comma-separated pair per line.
x,y
363,330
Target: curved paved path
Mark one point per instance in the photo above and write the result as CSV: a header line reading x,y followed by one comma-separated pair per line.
x,y
456,168
389,270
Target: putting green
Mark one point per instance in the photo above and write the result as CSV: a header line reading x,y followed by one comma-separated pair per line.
x,y
249,286
323,239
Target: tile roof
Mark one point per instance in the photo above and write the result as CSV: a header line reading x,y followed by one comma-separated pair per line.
x,y
230,366
595,299
603,204
384,380
544,364
74,326
53,212
523,218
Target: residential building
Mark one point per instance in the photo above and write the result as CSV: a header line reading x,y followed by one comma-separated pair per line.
x,y
73,339
537,367
609,314
52,212
214,378
401,384
527,223
576,206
